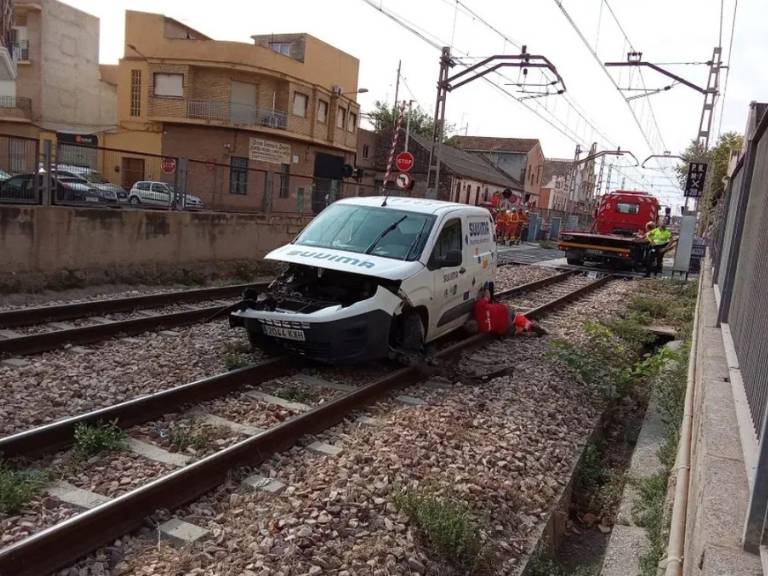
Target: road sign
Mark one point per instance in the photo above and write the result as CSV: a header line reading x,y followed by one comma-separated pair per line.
x,y
403,181
404,161
168,165
694,185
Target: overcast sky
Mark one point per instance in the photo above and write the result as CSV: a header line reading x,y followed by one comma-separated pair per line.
x,y
664,30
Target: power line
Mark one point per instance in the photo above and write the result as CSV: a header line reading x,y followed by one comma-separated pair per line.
x,y
547,116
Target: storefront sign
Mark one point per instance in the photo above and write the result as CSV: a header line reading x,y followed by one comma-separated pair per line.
x,y
78,139
261,150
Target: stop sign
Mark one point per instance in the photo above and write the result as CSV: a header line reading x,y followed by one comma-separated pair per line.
x,y
168,165
404,161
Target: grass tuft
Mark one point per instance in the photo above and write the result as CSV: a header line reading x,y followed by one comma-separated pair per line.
x,y
182,438
94,439
17,487
449,527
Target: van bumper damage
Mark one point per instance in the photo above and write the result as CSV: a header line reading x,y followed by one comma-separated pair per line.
x,y
302,321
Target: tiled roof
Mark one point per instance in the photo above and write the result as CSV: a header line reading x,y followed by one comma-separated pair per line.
x,y
469,165
494,144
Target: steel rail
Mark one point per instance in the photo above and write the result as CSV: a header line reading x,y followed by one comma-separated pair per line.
x,y
59,312
44,341
63,543
60,434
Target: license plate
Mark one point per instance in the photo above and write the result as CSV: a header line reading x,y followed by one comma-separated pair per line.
x,y
287,333
594,252
91,198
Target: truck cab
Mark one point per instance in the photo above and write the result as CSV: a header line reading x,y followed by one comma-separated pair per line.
x,y
616,236
371,275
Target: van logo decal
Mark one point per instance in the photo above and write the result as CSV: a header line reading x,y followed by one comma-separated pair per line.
x,y
333,258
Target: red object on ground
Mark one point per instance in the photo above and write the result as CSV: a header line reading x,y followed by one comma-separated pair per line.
x,y
491,317
522,324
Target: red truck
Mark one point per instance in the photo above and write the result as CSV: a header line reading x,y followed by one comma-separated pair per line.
x,y
617,234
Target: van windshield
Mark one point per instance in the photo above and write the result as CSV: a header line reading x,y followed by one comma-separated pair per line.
x,y
396,234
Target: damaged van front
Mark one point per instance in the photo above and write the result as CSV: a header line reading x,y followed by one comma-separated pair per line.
x,y
347,281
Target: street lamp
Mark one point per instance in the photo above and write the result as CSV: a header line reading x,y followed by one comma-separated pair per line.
x,y
339,91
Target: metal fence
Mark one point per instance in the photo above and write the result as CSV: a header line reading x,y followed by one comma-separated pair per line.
x,y
739,245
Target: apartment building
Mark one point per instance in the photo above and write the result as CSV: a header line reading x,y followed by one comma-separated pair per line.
x,y
276,119
519,158
556,184
51,84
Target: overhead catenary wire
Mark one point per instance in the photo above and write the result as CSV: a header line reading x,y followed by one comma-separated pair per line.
x,y
536,107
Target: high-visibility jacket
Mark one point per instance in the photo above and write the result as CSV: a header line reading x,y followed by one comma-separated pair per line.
x,y
658,236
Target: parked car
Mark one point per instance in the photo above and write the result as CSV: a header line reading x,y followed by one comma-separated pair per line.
x,y
110,192
4,175
162,195
20,188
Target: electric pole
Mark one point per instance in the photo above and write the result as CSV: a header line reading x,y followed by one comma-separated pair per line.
x,y
446,83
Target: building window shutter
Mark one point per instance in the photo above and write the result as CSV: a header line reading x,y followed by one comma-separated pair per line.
x,y
171,85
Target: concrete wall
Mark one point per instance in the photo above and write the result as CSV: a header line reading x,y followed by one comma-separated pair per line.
x,y
73,94
38,240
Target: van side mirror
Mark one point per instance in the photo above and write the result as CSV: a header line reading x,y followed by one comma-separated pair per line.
x,y
452,259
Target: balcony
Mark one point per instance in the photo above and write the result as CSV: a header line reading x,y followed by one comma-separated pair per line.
x,y
225,113
15,107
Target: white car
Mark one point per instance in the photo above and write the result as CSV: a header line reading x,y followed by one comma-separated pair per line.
x,y
163,195
368,276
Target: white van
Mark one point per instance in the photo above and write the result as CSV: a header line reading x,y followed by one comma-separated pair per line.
x,y
368,276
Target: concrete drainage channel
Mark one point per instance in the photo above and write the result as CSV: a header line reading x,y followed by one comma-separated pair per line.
x,y
568,545
104,521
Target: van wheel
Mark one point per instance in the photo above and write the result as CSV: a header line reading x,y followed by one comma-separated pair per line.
x,y
411,332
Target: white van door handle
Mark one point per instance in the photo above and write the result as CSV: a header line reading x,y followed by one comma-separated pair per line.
x,y
462,270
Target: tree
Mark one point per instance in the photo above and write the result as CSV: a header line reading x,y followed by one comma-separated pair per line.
x,y
717,159
384,116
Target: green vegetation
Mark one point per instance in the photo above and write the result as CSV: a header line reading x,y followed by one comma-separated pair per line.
x,y
17,487
384,115
182,438
545,565
94,439
615,362
187,277
236,355
65,280
294,395
448,527
718,157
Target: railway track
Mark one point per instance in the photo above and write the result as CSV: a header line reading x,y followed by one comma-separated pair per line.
x,y
63,543
42,328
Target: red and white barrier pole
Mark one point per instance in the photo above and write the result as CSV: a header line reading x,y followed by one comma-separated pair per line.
x,y
395,137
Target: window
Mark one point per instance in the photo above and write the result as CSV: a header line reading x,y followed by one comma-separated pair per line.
x,y
238,175
17,152
169,85
300,104
477,194
142,185
449,239
352,122
538,174
284,180
322,111
396,234
627,208
283,48
366,150
135,92
341,118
